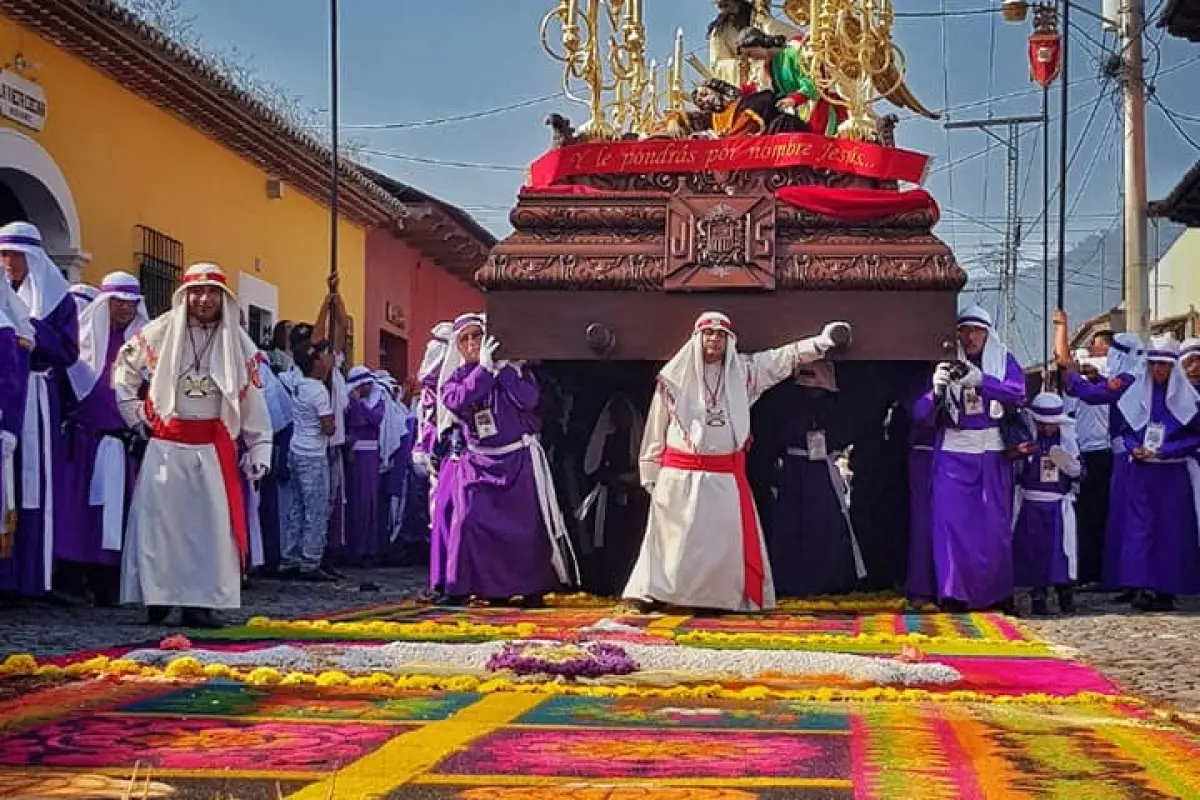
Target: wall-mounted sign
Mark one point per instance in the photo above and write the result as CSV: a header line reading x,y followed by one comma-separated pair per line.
x,y
394,315
22,100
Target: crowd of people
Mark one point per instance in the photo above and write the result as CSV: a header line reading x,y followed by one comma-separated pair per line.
x,y
163,462
995,481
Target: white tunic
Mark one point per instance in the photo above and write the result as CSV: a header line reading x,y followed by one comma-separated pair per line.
x,y
179,545
692,554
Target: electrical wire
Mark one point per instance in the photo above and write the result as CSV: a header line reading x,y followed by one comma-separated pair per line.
x,y
469,117
1170,115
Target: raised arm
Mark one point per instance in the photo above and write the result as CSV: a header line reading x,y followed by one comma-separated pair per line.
x,y
654,440
769,367
1101,393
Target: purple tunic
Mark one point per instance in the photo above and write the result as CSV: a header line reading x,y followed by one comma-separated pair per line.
x,y
1039,560
810,547
1101,393
972,495
57,348
503,549
362,482
427,415
443,551
1160,549
79,527
921,582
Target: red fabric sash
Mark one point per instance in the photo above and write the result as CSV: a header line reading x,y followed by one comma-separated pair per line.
x,y
731,464
214,432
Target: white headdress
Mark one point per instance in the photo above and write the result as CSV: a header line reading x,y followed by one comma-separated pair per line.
x,y
435,349
994,360
452,361
683,381
1048,408
1181,399
358,376
94,328
44,287
1189,348
234,355
395,419
1125,354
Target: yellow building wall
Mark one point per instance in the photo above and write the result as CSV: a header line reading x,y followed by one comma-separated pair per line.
x,y
129,163
1175,280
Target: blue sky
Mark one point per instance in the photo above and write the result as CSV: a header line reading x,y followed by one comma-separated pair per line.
x,y
406,61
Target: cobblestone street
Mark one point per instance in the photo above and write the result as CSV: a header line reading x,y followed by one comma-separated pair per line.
x,y
1155,655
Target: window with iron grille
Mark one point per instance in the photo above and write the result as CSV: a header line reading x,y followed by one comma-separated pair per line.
x,y
160,269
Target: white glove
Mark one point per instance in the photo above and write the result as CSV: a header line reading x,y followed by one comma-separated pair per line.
x,y
974,376
487,354
941,379
8,444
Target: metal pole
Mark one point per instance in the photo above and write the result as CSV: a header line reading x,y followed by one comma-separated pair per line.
x,y
335,162
1012,229
1064,112
1046,225
1133,20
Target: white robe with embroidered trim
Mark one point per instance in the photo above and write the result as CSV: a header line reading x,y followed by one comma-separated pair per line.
x,y
179,543
692,553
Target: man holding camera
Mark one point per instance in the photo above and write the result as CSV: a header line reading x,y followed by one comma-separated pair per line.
x,y
972,482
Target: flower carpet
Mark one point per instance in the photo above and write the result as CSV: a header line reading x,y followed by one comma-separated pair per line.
x,y
582,701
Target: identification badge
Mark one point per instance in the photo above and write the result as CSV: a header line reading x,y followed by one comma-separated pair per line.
x,y
1155,434
996,410
1049,470
714,417
485,424
972,402
817,450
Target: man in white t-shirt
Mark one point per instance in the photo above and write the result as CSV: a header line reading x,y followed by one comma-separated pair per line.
x,y
308,464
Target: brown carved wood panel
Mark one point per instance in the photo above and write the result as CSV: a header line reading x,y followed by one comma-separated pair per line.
x,y
719,242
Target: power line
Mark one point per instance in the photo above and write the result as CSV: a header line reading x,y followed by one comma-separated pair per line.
x,y
1170,115
469,117
437,162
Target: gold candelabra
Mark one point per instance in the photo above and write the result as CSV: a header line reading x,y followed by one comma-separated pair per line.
x,y
618,87
853,60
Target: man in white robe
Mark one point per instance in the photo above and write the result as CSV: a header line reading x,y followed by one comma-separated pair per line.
x,y
187,540
704,545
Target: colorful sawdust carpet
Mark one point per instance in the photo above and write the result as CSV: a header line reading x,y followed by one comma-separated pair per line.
x,y
1018,725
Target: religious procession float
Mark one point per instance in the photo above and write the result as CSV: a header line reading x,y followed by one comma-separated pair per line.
x,y
766,186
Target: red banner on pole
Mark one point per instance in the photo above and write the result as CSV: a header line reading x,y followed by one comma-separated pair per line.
x,y
1045,58
734,154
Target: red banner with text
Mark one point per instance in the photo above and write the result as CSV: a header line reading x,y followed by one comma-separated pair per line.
x,y
735,154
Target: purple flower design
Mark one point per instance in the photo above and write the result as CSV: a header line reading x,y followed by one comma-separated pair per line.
x,y
588,660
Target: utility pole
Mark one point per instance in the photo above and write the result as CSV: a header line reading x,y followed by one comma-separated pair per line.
x,y
1012,226
1133,95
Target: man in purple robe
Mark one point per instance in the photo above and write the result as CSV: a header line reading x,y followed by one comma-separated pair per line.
x,y
1045,548
1123,362
16,342
443,436
40,285
363,418
99,473
972,479
812,546
508,539
1160,550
